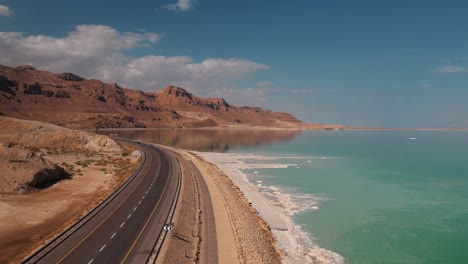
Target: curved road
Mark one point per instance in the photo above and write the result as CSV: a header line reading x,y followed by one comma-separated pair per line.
x,y
125,230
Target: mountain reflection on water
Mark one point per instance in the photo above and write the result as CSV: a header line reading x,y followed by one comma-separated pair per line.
x,y
210,140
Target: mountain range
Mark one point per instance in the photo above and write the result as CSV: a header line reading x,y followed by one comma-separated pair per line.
x,y
71,101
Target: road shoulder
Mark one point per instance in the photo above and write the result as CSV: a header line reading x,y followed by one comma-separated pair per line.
x,y
188,243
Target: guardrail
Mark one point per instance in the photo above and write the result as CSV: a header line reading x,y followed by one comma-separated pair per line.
x,y
163,234
51,245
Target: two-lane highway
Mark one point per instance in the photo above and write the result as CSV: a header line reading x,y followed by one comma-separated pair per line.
x,y
125,230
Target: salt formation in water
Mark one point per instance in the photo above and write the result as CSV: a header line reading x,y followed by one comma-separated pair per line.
x,y
277,206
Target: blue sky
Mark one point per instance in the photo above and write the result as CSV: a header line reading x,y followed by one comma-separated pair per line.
x,y
361,63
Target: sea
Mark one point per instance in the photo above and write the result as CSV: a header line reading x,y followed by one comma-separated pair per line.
x,y
378,196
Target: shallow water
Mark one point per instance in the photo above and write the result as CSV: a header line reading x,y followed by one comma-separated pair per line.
x,y
385,198
389,198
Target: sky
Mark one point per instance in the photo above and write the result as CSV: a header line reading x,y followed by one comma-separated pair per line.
x,y
359,63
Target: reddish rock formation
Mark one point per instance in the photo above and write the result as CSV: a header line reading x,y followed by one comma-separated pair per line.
x,y
72,101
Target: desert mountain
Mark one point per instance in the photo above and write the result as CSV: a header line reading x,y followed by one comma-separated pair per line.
x,y
72,101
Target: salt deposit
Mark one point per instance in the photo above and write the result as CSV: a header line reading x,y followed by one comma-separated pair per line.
x,y
277,207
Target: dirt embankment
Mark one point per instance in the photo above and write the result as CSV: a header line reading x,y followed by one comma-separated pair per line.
x,y
51,176
27,148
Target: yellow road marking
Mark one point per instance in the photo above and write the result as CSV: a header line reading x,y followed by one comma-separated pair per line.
x,y
109,215
147,221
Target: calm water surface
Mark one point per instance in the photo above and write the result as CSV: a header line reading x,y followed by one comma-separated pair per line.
x,y
389,198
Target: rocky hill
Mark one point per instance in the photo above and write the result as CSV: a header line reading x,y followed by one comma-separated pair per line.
x,y
72,101
26,148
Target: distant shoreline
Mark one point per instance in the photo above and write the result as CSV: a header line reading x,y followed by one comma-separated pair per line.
x,y
278,128
408,129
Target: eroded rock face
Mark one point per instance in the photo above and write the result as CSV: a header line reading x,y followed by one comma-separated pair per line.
x,y
69,100
24,171
25,68
34,88
66,76
7,85
27,148
46,177
177,91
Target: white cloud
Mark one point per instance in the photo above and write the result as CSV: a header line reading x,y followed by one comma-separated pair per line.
x,y
5,11
450,69
206,78
181,5
96,51
82,51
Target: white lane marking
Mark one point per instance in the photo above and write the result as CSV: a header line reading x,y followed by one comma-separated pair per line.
x,y
134,208
146,192
102,248
113,235
91,261
143,197
122,224
129,216
139,202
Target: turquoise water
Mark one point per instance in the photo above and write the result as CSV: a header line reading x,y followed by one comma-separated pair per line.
x,y
390,199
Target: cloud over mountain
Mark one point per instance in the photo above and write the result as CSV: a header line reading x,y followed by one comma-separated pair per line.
x,y
98,51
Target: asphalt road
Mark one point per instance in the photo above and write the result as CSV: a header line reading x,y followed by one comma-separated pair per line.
x,y
125,230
